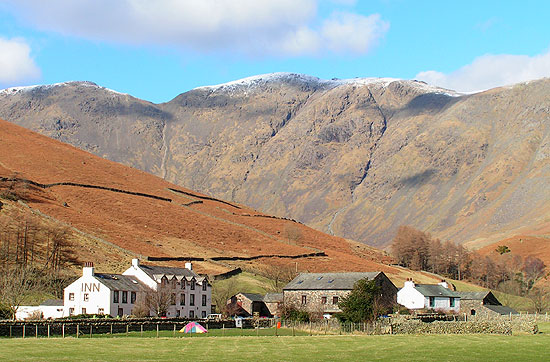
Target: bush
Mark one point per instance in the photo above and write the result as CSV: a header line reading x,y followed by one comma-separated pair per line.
x,y
5,312
292,313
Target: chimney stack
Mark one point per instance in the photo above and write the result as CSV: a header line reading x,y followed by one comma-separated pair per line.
x,y
188,266
444,284
409,283
135,263
88,269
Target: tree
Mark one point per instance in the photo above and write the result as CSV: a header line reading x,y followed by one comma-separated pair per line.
x,y
15,285
362,304
154,301
279,276
540,299
502,249
221,292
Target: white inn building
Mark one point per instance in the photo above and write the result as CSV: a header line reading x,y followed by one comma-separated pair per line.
x,y
117,294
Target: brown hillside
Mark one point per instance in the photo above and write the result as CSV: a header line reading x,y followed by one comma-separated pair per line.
x,y
113,226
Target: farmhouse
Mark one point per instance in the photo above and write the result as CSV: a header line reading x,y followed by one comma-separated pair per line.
x,y
321,292
51,308
483,304
117,294
428,296
250,304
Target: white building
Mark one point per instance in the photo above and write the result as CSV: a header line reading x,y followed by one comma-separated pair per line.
x,y
117,294
429,296
191,293
49,309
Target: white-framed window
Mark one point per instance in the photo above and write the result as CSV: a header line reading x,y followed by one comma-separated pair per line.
x,y
71,296
86,297
132,297
192,299
191,314
304,299
193,284
204,285
182,299
204,300
203,314
124,297
83,310
100,311
71,311
335,300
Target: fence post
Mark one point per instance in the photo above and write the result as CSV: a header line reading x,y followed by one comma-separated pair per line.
x,y
126,329
48,331
293,333
111,329
91,326
157,329
223,329
141,330
24,330
310,331
10,330
174,333
36,330
77,329
63,330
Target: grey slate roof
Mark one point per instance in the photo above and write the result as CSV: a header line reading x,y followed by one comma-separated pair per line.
x,y
435,290
121,282
253,297
53,303
473,295
501,309
153,270
328,281
273,298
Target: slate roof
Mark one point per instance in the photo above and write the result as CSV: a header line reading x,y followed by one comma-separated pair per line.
x,y
155,270
253,297
273,298
52,303
328,281
500,309
435,290
121,282
473,295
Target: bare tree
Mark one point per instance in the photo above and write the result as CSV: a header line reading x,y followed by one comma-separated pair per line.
x,y
279,276
154,301
540,299
293,233
221,292
15,285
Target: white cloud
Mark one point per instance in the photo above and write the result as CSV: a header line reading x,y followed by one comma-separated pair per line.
x,y
16,64
283,27
491,71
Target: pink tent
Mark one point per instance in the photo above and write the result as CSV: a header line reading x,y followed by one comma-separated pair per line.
x,y
193,327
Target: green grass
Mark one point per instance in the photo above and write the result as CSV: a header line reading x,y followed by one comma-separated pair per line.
x,y
247,283
300,348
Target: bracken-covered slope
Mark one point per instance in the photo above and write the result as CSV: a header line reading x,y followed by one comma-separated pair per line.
x,y
116,212
354,158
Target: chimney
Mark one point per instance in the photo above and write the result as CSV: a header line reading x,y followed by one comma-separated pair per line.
x,y
188,266
444,284
135,263
88,269
409,283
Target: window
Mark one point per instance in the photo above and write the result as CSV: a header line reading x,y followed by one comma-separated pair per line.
x,y
334,300
177,313
323,300
204,300
174,283
71,311
432,302
71,296
183,283
304,299
473,312
203,314
191,314
115,296
192,299
204,285
86,297
133,297
182,299
125,297
173,299
120,312
452,302
192,285
164,281
83,310
100,311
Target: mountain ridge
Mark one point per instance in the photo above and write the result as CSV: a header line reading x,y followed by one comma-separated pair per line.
x,y
356,160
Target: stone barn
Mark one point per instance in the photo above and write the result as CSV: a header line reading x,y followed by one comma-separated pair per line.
x,y
483,304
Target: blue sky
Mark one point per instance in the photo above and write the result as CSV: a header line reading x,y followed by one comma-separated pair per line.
x,y
157,49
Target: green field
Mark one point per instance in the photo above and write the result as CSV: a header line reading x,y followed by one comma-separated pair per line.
x,y
286,348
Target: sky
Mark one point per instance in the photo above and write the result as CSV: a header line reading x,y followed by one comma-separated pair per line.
x,y
157,49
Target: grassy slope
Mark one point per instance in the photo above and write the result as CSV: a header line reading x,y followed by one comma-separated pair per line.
x,y
335,348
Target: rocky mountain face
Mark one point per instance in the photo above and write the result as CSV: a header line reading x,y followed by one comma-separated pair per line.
x,y
354,158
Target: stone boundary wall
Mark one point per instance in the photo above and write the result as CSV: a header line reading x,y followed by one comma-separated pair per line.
x,y
463,327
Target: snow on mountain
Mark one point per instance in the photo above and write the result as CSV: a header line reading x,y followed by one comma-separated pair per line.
x,y
30,88
257,80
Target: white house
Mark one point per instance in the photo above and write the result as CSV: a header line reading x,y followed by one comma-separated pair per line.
x,y
191,293
100,293
116,294
51,308
428,296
